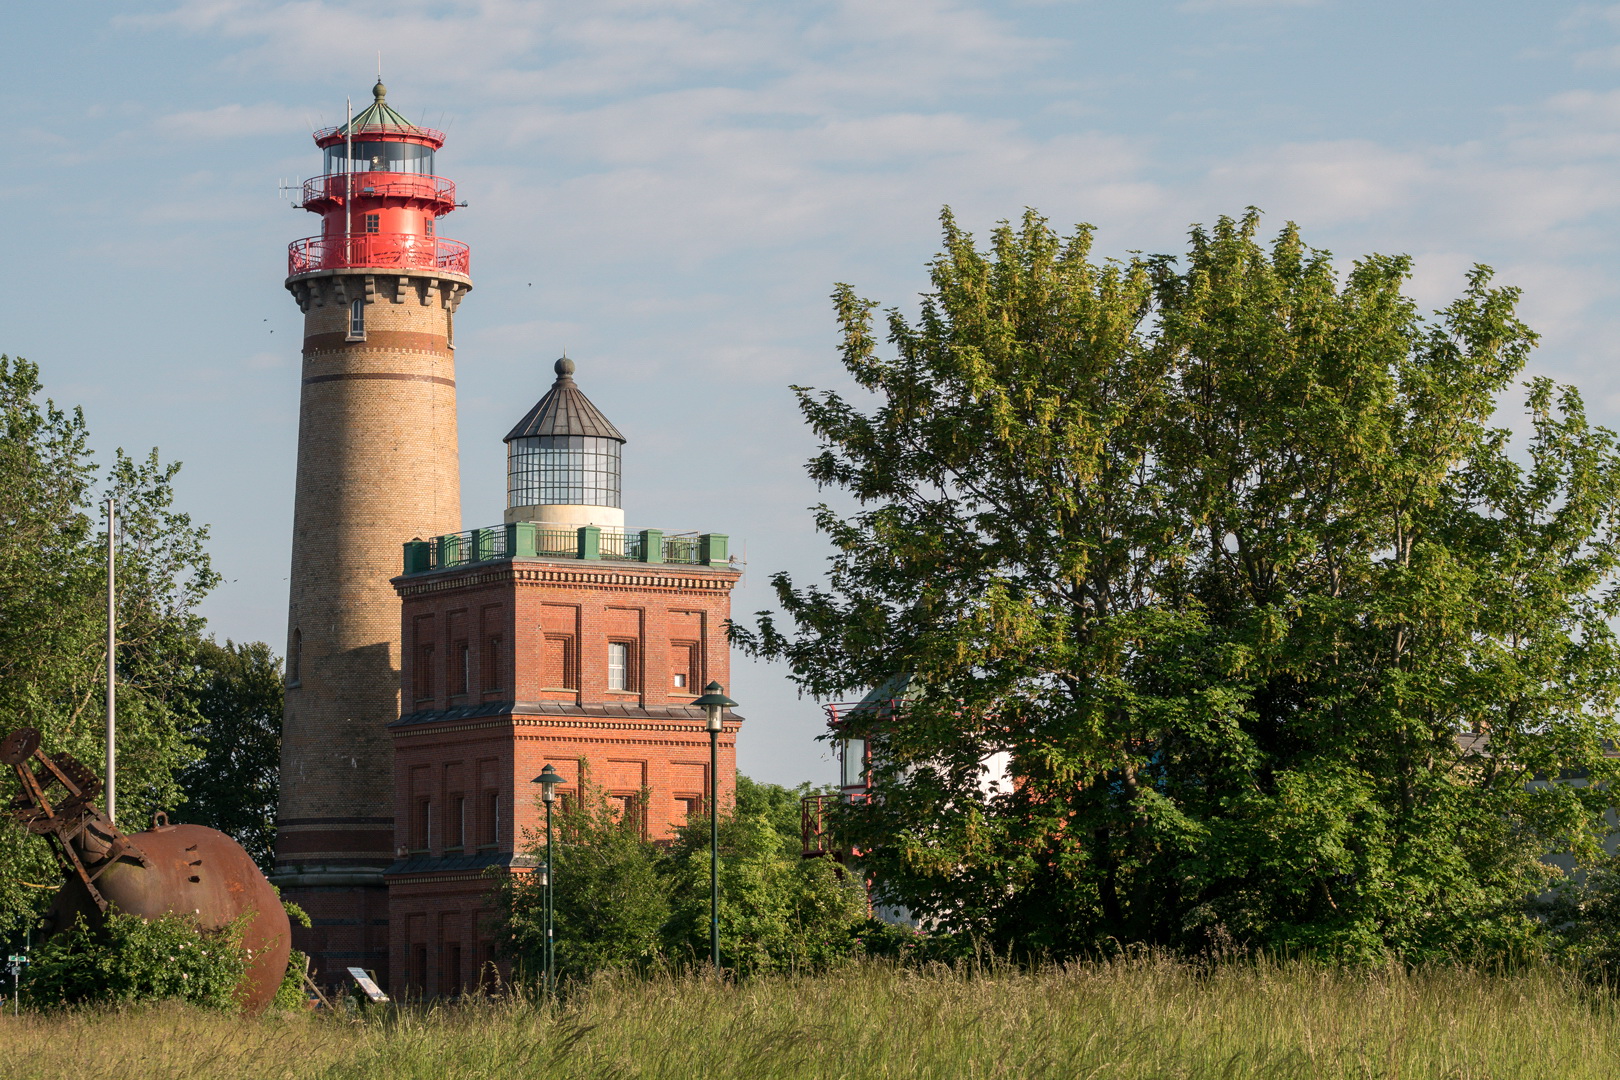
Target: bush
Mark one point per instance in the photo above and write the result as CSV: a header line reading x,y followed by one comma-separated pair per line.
x,y
128,959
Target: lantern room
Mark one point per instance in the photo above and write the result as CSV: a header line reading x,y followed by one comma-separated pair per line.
x,y
563,460
379,198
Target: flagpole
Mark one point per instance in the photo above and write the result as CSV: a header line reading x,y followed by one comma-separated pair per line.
x,y
112,660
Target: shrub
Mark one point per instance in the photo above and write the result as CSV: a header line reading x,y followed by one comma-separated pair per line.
x,y
127,959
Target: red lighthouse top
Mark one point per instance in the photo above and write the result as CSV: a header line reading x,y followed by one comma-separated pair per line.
x,y
379,199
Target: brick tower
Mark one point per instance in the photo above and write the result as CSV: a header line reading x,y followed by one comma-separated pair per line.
x,y
377,465
558,637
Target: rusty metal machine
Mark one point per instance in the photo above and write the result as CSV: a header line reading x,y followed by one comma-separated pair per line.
x,y
179,869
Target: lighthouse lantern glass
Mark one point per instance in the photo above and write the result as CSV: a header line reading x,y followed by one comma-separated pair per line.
x,y
374,156
562,470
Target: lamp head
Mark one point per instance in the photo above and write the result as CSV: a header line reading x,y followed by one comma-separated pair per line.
x,y
548,780
714,703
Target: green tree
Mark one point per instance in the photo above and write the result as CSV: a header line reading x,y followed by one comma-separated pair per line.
x,y
52,617
777,908
611,901
233,787
1225,553
623,900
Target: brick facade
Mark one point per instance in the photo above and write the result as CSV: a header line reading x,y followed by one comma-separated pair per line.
x,y
509,666
377,465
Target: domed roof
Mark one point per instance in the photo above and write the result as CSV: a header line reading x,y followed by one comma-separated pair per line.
x,y
379,120
565,410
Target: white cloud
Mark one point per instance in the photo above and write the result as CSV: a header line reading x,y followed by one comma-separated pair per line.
x,y
231,121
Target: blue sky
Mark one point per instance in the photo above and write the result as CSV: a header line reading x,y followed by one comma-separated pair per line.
x,y
670,190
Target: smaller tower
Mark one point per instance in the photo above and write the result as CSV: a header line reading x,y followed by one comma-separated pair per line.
x,y
563,461
558,638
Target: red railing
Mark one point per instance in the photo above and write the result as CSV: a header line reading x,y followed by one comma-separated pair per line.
x,y
392,251
813,823
334,187
386,132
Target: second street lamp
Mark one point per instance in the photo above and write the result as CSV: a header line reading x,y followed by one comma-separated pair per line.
x,y
548,780
714,704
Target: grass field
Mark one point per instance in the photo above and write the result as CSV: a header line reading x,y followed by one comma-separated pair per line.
x,y
1125,1019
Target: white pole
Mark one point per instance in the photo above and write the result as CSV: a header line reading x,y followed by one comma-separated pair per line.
x,y
348,182
112,661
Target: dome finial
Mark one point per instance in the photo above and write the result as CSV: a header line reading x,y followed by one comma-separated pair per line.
x,y
379,92
564,367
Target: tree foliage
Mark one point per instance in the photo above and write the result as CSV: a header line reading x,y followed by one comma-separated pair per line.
x,y
53,617
236,695
1224,551
622,900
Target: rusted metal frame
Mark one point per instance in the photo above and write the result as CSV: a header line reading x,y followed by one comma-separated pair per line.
x,y
70,860
73,789
33,789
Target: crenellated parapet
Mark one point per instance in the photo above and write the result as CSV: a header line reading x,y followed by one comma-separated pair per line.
x,y
340,288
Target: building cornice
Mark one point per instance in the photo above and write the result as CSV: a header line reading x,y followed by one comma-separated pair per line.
x,y
549,573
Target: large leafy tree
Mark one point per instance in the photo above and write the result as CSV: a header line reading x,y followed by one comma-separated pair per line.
x,y
53,617
1278,631
237,696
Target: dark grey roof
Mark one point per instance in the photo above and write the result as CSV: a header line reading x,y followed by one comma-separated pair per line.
x,y
565,410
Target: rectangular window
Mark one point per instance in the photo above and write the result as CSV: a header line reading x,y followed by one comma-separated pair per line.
x,y
457,833
422,825
357,318
373,223
422,671
620,676
427,225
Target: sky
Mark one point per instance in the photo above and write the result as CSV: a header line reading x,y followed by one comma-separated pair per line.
x,y
670,190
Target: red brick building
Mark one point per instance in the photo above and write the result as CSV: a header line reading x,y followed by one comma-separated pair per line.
x,y
556,638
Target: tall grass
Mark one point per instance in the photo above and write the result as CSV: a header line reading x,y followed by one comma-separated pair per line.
x,y
1146,1017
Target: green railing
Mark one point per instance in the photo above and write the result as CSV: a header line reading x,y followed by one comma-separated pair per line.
x,y
527,540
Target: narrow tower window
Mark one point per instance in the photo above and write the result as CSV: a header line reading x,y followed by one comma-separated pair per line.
x,y
428,224
295,661
357,320
373,223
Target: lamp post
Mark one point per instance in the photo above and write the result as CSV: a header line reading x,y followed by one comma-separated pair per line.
x,y
548,780
714,703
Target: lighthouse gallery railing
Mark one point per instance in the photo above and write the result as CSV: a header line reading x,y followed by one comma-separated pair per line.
x,y
391,251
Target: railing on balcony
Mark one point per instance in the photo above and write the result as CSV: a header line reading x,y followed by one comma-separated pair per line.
x,y
327,134
394,251
589,542
337,186
817,839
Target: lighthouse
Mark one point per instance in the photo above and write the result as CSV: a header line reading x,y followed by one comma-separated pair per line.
x,y
377,466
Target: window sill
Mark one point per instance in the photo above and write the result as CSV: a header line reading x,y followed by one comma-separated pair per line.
x,y
623,693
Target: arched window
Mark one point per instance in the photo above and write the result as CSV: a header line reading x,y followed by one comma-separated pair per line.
x,y
357,319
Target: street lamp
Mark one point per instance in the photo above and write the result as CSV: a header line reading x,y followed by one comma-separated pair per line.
x,y
714,703
548,780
